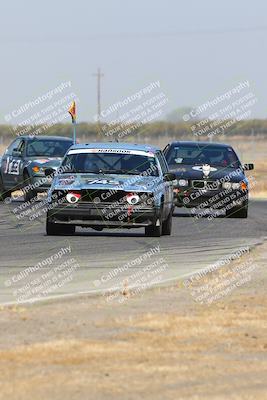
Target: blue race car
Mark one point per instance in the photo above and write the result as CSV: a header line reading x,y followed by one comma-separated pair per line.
x,y
111,185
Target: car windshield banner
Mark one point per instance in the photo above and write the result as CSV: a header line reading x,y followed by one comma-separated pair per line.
x,y
113,151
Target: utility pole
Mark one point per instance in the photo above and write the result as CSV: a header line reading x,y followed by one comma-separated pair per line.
x,y
98,75
252,135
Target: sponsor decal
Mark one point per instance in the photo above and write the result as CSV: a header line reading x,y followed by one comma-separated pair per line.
x,y
41,161
181,169
102,182
73,197
206,169
45,160
66,181
12,167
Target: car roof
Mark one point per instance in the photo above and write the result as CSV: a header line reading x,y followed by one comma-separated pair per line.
x,y
200,144
39,137
115,145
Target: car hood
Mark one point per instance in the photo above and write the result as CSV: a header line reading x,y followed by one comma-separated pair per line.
x,y
215,172
106,182
47,162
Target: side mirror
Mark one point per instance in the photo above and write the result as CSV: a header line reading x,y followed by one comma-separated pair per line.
x,y
169,176
16,153
49,172
248,167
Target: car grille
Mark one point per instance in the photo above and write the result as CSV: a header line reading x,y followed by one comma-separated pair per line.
x,y
207,185
111,196
103,196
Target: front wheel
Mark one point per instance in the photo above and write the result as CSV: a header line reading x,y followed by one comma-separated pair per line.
x,y
154,230
167,225
241,212
4,194
29,193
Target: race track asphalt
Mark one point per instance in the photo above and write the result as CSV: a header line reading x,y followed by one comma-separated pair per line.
x,y
97,261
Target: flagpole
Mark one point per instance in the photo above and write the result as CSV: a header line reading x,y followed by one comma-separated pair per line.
x,y
74,131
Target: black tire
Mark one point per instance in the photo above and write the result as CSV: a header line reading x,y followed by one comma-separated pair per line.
x,y
167,225
154,230
4,194
53,229
241,213
238,213
29,194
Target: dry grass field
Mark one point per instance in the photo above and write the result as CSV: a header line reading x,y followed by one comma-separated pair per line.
x,y
255,151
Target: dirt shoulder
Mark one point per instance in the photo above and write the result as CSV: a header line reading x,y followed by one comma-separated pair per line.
x,y
160,344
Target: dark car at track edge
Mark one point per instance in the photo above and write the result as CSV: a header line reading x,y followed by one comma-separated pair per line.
x,y
25,161
209,175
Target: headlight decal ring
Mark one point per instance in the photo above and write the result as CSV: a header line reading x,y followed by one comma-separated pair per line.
x,y
132,198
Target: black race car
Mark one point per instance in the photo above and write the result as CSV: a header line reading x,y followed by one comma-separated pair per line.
x,y
25,161
209,176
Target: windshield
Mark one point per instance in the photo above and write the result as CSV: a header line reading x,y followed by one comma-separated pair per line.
x,y
195,155
48,148
111,163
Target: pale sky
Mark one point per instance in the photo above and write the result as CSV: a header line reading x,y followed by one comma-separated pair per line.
x,y
197,49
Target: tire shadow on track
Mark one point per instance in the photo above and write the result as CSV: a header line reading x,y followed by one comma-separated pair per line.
x,y
187,214
111,234
107,234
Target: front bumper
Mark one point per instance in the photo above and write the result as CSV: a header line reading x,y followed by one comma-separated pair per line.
x,y
217,199
102,215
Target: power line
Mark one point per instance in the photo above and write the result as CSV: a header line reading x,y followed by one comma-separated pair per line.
x,y
130,35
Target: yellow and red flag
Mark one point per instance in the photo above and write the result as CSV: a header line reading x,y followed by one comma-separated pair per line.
x,y
72,111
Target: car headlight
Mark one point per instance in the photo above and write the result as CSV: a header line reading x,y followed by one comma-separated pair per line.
x,y
37,169
236,185
146,198
182,182
226,185
132,198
